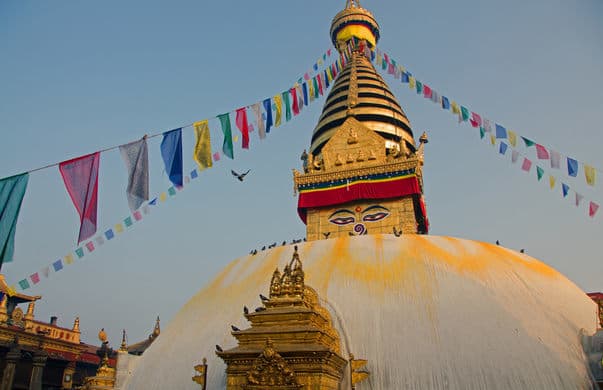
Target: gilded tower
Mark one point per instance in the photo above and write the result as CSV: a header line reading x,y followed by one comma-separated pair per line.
x,y
363,172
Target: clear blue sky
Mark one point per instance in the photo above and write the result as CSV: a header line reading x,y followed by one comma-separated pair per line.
x,y
77,77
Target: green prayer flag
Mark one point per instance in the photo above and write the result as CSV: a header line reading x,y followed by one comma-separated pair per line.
x,y
528,142
482,132
12,190
287,105
419,87
539,173
315,82
128,221
24,284
79,252
172,191
465,113
227,148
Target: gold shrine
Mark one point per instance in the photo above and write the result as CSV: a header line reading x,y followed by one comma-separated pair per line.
x,y
291,343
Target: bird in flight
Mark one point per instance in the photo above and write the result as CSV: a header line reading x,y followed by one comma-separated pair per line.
x,y
240,176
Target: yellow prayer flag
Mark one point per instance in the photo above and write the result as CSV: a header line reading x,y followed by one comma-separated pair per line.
x,y
311,90
591,174
411,82
68,259
320,62
492,139
455,108
162,197
552,182
279,109
512,137
202,152
235,138
119,228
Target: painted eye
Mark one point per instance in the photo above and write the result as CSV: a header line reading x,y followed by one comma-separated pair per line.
x,y
342,220
375,217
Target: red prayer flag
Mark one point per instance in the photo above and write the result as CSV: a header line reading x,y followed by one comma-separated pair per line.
x,y
80,176
386,57
541,152
90,246
243,126
138,215
592,209
427,92
527,165
319,79
35,278
329,52
217,156
295,104
475,120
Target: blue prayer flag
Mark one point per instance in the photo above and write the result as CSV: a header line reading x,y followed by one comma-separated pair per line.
x,y
404,78
268,107
503,148
305,91
315,67
565,189
445,103
12,190
109,234
153,202
501,132
171,152
194,174
57,265
572,167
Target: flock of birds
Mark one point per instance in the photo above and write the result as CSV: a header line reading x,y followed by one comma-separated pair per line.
x,y
274,244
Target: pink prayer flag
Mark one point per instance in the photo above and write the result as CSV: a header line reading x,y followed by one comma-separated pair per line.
x,y
137,215
427,92
475,120
243,126
527,165
35,278
592,209
578,199
80,176
329,52
90,246
514,156
217,156
386,57
306,76
555,159
541,152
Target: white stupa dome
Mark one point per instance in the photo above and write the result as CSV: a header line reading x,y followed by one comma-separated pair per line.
x,y
427,312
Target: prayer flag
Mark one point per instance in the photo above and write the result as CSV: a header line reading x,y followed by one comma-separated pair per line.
x,y
119,228
146,209
80,176
476,120
319,81
591,174
305,92
287,101
136,157
194,175
404,77
455,108
202,151
68,258
295,104
325,79
278,109
579,198
427,92
482,133
572,167
153,202
217,156
514,156
243,125
445,103
257,111
487,126
268,108
109,234
555,159
100,240
512,137
419,87
539,173
565,189
128,220
137,215
79,252
541,152
378,59
503,148
57,265
12,190
501,132
412,82
171,192
492,140
465,113
23,284
391,69
592,209
35,278
527,164
552,181
46,271
227,147
300,97
528,142
171,153
90,246
316,87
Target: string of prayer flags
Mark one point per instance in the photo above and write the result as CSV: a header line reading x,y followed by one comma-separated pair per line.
x,y
243,125
80,176
202,151
171,153
12,190
572,167
227,147
136,157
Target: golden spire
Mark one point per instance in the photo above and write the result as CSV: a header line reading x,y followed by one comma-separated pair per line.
x,y
157,329
124,346
76,325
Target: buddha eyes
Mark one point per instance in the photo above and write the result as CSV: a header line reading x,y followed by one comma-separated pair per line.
x,y
342,220
375,216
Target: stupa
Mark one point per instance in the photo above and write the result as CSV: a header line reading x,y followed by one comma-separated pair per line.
x,y
371,301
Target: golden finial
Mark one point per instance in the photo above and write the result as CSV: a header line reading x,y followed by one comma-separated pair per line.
x,y
423,139
124,346
102,336
30,311
352,3
76,325
3,302
157,329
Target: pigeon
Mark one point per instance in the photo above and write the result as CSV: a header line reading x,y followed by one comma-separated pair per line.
x,y
234,328
397,232
304,239
264,248
284,243
272,245
522,251
245,310
263,298
497,242
240,176
327,234
259,309
218,348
